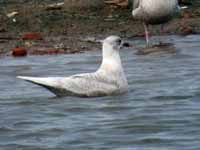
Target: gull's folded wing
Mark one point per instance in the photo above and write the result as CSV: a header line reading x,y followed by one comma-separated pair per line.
x,y
80,85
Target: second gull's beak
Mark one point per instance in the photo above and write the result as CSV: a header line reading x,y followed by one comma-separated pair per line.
x,y
125,44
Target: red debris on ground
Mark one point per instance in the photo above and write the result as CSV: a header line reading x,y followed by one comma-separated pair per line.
x,y
32,36
19,52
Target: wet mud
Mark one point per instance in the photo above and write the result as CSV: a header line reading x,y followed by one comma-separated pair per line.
x,y
58,31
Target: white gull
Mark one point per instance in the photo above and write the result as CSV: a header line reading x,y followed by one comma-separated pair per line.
x,y
154,12
109,79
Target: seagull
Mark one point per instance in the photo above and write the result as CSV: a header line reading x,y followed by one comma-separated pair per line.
x,y
109,79
154,12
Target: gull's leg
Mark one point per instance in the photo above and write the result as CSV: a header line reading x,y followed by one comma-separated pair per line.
x,y
162,31
146,34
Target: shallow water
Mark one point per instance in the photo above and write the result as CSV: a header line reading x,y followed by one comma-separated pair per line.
x,y
160,112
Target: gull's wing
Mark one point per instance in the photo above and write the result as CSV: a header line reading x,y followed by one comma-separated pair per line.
x,y
136,4
79,85
51,83
90,84
137,11
45,81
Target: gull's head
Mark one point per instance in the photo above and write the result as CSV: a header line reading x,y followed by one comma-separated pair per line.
x,y
112,43
111,58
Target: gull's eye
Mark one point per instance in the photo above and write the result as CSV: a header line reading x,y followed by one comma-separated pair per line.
x,y
119,41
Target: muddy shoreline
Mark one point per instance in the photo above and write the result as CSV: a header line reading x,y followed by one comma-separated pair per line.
x,y
70,32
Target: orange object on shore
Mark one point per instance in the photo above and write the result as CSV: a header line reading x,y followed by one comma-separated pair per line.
x,y
32,36
19,52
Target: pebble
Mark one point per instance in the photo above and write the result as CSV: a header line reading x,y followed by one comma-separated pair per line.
x,y
19,52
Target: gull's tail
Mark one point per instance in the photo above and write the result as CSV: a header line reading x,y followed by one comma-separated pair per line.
x,y
50,83
40,81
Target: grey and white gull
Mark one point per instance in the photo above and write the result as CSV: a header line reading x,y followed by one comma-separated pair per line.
x,y
154,12
109,79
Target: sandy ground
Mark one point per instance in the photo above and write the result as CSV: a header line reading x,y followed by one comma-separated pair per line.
x,y
70,32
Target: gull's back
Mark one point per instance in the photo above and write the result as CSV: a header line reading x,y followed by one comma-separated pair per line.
x,y
154,11
93,84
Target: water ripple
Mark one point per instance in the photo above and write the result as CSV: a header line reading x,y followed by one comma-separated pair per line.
x,y
160,111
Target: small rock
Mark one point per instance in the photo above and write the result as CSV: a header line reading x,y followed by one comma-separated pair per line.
x,y
19,52
3,41
28,43
187,15
117,3
160,48
90,40
12,14
2,29
32,36
186,30
56,6
14,20
59,46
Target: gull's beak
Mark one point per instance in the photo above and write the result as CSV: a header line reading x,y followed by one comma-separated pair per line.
x,y
100,41
126,44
